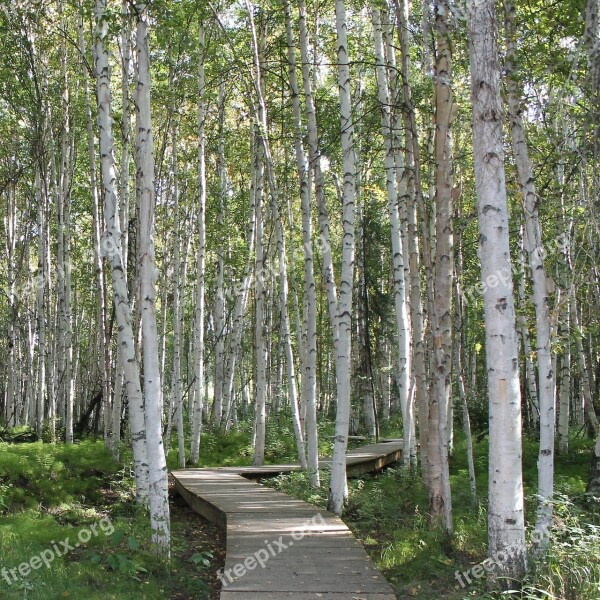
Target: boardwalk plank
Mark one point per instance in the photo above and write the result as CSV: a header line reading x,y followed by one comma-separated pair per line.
x,y
280,548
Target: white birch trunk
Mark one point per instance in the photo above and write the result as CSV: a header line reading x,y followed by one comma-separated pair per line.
x,y
260,347
219,305
124,195
111,437
177,377
338,485
465,415
564,393
41,304
157,467
314,157
309,377
111,248
11,410
405,182
281,252
64,266
197,408
239,310
535,251
523,328
414,200
396,241
506,523
460,345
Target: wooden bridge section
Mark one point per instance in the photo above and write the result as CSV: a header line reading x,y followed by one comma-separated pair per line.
x,y
280,548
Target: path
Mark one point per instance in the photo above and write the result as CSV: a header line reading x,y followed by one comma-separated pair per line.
x,y
280,548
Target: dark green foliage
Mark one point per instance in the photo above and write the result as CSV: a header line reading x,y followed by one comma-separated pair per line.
x,y
387,512
50,474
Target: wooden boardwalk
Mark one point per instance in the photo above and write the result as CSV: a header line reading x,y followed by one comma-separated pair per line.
x,y
279,548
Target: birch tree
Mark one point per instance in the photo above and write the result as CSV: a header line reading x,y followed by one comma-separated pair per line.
x,y
260,348
440,504
506,519
338,486
414,200
112,430
157,466
197,405
309,375
396,238
535,251
261,114
176,408
41,303
111,248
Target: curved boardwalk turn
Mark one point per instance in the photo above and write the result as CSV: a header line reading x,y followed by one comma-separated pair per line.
x,y
279,548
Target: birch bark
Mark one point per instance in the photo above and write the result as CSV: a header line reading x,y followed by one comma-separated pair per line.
x,y
506,525
111,248
197,408
541,293
338,485
440,504
157,467
396,238
281,252
309,378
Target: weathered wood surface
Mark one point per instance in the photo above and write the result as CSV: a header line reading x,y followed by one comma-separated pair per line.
x,y
281,548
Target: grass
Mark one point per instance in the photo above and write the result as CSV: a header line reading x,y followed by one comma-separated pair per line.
x,y
235,448
387,512
49,492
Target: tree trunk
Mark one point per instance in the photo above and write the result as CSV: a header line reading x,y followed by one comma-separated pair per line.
x,y
177,375
440,504
523,329
111,438
41,304
506,524
586,387
338,486
157,467
260,348
197,407
460,345
314,157
396,242
414,200
280,246
309,380
535,251
111,248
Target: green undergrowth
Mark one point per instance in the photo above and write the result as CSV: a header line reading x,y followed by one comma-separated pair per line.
x,y
50,495
234,448
51,474
116,563
49,492
388,513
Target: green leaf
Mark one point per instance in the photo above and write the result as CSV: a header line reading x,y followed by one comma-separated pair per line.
x,y
117,536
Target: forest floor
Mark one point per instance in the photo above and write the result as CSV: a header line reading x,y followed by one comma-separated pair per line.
x,y
51,493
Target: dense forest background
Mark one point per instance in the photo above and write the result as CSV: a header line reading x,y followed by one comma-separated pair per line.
x,y
226,215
